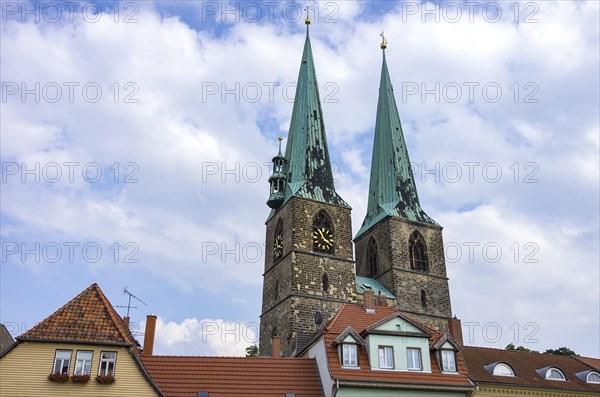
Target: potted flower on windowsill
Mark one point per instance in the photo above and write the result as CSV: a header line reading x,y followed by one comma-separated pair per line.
x,y
58,377
105,379
80,378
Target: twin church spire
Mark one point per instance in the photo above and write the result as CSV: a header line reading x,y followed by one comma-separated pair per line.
x,y
305,170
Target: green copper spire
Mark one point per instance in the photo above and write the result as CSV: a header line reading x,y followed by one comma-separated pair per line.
x,y
308,167
392,190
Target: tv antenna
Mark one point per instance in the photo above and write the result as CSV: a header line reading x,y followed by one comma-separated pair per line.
x,y
125,291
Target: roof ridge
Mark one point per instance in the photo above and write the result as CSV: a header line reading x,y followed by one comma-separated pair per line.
x,y
119,323
331,322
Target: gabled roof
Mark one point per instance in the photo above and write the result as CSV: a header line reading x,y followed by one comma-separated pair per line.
x,y
87,318
526,366
180,376
355,316
446,338
425,331
349,332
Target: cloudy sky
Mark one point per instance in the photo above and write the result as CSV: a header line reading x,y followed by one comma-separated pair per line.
x,y
137,138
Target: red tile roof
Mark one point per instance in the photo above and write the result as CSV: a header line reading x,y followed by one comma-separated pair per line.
x,y
592,362
181,376
525,365
354,315
87,318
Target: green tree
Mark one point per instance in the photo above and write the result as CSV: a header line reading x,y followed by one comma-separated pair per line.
x,y
562,351
511,346
252,351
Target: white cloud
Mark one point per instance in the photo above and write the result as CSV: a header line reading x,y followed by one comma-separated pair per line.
x,y
197,211
205,337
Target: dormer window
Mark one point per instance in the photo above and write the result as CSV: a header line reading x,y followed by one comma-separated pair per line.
x,y
593,377
386,357
502,369
349,355
414,359
555,374
448,361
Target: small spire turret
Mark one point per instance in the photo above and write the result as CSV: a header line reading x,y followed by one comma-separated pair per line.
x,y
277,179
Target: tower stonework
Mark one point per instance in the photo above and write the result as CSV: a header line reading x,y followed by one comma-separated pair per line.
x,y
294,290
309,267
399,245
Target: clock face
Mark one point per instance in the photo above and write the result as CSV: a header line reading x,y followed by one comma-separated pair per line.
x,y
278,246
323,239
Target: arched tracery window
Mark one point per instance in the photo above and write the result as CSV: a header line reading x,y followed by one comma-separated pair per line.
x,y
418,252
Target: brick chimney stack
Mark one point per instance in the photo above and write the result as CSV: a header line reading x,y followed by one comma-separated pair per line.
x,y
126,320
369,300
455,330
149,335
276,347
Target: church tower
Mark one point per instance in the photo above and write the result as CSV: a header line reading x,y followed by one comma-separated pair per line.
x,y
309,267
399,245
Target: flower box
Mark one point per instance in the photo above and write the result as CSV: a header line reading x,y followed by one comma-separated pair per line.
x,y
105,379
80,378
57,377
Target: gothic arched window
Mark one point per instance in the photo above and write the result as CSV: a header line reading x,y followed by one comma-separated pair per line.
x,y
322,234
372,259
325,282
418,252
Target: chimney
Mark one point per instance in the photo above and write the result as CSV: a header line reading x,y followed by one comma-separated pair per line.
x,y
455,328
369,300
126,320
149,335
276,347
381,300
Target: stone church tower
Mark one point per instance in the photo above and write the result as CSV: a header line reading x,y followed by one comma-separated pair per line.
x,y
399,245
309,267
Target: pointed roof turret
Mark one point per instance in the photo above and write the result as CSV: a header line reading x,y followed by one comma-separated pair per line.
x,y
392,190
308,167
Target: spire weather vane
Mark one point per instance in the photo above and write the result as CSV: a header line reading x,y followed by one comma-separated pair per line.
x,y
307,20
383,41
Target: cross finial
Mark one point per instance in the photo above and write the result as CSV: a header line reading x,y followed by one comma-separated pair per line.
x,y
307,20
383,41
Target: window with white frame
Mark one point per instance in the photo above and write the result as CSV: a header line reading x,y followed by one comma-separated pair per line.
x,y
502,369
107,363
414,359
593,377
386,357
349,355
62,361
448,361
83,363
555,374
